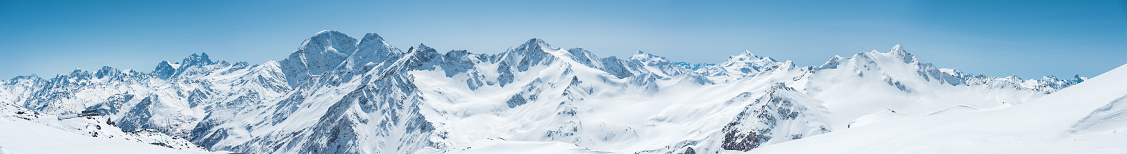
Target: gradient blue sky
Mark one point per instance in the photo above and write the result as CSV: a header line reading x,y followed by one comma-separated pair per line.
x,y
1000,38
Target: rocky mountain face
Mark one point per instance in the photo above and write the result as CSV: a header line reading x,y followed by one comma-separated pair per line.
x,y
337,94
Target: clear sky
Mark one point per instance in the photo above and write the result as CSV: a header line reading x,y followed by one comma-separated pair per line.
x,y
1000,38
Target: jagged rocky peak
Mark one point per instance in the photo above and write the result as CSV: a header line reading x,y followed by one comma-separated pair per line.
x,y
579,52
106,71
531,53
24,77
164,70
317,55
196,60
1051,78
370,50
759,122
584,57
899,51
423,49
79,72
533,44
420,57
833,62
1078,78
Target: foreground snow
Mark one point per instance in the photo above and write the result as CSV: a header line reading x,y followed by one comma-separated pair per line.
x,y
21,136
495,146
1087,118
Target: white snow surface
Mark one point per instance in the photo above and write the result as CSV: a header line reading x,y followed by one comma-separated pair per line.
x,y
516,147
1085,118
27,137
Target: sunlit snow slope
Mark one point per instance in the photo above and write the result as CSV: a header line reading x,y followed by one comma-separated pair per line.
x,y
19,137
1086,118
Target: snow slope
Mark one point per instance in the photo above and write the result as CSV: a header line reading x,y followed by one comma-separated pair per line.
x,y
1083,119
21,136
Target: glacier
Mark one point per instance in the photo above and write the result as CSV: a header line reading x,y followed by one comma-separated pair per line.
x,y
338,94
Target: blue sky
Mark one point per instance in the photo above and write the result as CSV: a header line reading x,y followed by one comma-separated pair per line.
x,y
1000,38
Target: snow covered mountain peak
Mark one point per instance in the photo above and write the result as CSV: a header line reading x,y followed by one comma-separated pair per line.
x,y
746,55
896,53
196,59
191,64
328,42
318,54
900,52
164,70
747,63
371,50
372,42
423,49
648,59
897,49
533,44
371,37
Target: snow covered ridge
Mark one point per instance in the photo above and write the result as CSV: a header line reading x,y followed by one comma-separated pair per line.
x,y
338,94
1086,118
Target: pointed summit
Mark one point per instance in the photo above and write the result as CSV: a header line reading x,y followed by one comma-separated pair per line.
x,y
419,58
371,49
533,44
532,52
371,42
899,51
320,53
748,52
746,55
747,63
164,70
371,37
833,62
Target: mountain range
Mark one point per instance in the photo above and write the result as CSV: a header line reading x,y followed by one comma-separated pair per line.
x,y
339,94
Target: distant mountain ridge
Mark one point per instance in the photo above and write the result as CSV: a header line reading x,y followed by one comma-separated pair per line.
x,y
338,94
